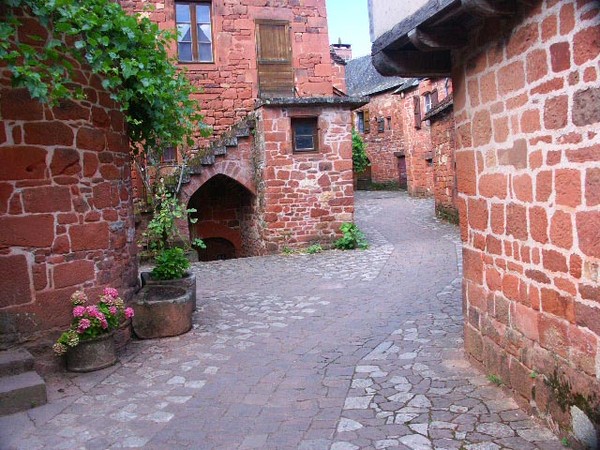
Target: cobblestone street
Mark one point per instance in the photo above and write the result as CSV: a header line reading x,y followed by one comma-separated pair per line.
x,y
337,350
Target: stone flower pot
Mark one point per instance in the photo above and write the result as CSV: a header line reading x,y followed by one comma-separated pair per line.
x,y
162,311
92,354
188,282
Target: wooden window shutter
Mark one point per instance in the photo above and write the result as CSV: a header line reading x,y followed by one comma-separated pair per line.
x,y
367,121
434,98
417,103
274,52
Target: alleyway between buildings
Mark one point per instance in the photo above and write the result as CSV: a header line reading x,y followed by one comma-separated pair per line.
x,y
340,350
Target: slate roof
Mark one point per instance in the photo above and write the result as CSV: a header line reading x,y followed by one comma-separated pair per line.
x,y
363,79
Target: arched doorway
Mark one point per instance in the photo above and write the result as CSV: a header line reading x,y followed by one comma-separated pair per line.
x,y
225,218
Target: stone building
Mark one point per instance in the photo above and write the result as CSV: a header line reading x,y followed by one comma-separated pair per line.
x,y
277,171
66,217
528,162
395,128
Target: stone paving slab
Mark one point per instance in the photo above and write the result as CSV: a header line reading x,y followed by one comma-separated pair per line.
x,y
338,350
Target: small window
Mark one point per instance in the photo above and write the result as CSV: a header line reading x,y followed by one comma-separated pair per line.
x,y
380,125
389,123
428,102
169,155
360,121
194,31
305,134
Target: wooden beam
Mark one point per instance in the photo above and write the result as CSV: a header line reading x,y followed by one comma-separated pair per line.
x,y
413,63
438,38
490,8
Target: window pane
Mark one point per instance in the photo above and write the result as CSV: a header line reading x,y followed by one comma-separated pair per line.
x,y
185,51
184,33
203,13
182,13
204,33
304,128
304,142
205,52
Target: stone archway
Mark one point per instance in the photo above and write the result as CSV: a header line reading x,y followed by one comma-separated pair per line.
x,y
226,219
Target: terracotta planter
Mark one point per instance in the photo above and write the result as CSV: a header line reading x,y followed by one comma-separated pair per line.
x,y
93,354
162,311
188,282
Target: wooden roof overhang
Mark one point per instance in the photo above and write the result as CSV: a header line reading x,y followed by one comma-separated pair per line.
x,y
421,45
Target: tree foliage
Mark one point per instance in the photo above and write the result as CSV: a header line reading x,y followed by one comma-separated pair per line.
x,y
128,52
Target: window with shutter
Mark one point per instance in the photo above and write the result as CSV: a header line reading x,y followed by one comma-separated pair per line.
x,y
417,111
434,98
367,121
274,52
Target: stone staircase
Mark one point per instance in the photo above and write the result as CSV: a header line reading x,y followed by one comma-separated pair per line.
x,y
21,387
219,148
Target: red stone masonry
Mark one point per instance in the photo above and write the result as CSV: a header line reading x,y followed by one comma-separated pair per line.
x,y
385,136
443,144
528,162
306,196
417,141
230,84
65,206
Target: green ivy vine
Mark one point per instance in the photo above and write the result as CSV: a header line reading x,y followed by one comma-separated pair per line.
x,y
128,52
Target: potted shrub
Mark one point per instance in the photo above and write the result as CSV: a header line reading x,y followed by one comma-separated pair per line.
x,y
167,299
88,343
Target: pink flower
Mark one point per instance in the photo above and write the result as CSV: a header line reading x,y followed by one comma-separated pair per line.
x,y
112,310
84,324
78,311
78,298
111,292
129,313
92,310
104,323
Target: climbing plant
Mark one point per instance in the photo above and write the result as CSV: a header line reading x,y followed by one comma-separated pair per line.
x,y
128,52
360,161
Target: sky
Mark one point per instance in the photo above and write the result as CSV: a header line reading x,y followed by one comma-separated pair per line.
x,y
349,20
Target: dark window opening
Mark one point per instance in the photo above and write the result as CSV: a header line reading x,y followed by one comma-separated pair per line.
x,y
169,155
194,31
389,123
305,134
380,125
360,121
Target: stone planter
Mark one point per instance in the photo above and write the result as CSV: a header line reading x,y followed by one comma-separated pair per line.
x,y
123,335
188,282
93,354
162,311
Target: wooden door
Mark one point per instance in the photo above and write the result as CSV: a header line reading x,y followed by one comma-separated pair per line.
x,y
403,177
274,52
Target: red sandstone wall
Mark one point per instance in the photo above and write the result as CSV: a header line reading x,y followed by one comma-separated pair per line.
x,y
381,146
338,76
443,143
418,146
230,85
528,165
66,218
306,196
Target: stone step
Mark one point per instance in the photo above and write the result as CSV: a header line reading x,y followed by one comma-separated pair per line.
x,y
231,142
20,392
219,150
15,361
208,160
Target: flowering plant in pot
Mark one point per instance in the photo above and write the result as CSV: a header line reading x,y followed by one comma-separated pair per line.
x,y
88,342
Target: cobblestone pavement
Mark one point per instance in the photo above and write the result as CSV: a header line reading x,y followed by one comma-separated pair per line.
x,y
338,350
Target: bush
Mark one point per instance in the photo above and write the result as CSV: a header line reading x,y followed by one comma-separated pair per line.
x,y
352,238
315,248
171,263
